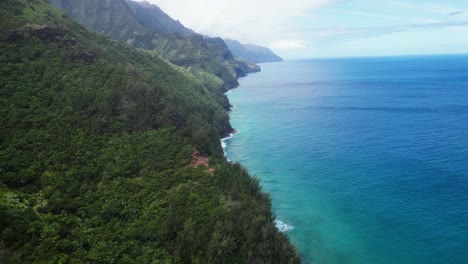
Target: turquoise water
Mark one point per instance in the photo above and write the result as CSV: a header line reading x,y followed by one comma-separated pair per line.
x,y
365,159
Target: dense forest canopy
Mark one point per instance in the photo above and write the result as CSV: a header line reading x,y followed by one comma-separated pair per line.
x,y
145,26
97,148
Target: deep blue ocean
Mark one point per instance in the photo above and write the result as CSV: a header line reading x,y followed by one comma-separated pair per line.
x,y
365,159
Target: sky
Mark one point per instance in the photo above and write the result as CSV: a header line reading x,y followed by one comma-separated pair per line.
x,y
299,29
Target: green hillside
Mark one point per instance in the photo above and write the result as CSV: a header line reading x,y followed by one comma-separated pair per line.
x,y
151,16
137,24
111,155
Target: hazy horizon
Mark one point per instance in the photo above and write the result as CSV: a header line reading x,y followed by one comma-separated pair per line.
x,y
373,56
302,29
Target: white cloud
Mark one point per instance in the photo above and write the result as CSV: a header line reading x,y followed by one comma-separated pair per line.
x,y
299,28
250,21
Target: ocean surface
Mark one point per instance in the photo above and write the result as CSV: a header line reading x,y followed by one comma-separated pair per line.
x,y
366,160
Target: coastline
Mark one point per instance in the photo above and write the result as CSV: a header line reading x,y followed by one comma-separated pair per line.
x,y
229,130
301,141
280,225
224,144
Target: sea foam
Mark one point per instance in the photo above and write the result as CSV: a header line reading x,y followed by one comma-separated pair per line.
x,y
224,143
283,227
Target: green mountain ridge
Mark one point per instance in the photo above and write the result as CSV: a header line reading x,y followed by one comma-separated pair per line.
x,y
136,23
100,155
152,15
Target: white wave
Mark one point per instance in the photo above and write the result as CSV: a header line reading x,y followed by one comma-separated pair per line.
x,y
283,227
231,135
224,144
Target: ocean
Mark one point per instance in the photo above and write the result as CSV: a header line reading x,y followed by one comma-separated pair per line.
x,y
365,159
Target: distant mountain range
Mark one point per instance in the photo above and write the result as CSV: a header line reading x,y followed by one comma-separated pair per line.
x,y
257,54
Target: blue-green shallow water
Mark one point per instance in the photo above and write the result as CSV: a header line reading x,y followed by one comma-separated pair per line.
x,y
366,158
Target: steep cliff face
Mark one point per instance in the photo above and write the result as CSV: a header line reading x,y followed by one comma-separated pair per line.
x,y
253,53
151,16
219,48
240,66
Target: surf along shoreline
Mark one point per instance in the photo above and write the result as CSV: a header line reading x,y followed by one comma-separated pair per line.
x,y
282,227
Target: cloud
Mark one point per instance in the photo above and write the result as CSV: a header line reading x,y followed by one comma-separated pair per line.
x,y
455,13
348,33
259,21
297,27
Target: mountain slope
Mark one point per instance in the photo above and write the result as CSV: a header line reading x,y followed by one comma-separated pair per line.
x,y
121,26
253,53
144,32
98,160
151,16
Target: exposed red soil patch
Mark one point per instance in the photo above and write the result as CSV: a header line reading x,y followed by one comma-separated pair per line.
x,y
200,160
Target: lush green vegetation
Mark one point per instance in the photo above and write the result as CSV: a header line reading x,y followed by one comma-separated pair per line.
x,y
145,26
96,142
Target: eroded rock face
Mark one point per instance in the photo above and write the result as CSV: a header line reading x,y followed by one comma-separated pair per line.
x,y
219,48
